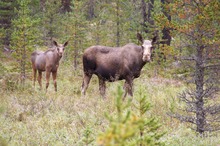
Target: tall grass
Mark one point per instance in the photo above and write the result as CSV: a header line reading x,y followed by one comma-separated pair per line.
x,y
33,117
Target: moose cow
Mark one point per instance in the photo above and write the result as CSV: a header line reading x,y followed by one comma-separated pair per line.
x,y
116,63
47,61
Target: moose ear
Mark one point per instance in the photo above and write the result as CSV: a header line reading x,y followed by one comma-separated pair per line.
x,y
139,37
55,43
65,44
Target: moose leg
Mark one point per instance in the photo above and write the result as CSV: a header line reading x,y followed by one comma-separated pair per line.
x,y
102,87
34,73
54,74
86,80
47,79
128,87
39,79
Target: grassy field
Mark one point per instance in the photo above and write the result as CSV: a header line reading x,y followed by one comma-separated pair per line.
x,y
33,117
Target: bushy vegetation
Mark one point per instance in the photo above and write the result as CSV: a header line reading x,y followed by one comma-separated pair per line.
x,y
32,117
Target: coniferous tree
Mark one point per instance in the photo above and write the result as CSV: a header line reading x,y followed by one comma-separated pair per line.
x,y
197,22
166,38
98,22
6,15
147,18
74,31
129,127
114,23
24,36
51,20
119,13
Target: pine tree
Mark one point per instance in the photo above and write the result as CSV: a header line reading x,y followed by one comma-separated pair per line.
x,y
75,30
51,19
120,20
128,128
197,23
7,14
149,126
166,38
24,36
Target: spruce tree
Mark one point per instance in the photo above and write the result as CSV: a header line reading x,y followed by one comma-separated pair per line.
x,y
131,127
197,22
7,14
24,37
75,31
51,20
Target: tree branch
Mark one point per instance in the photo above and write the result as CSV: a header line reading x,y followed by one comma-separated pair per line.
x,y
183,118
215,109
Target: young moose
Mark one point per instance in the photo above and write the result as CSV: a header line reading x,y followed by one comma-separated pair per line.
x,y
47,61
111,64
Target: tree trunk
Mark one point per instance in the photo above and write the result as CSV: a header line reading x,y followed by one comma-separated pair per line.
x,y
91,9
166,31
23,59
75,46
199,80
42,5
150,8
75,62
23,66
50,32
117,25
66,6
144,11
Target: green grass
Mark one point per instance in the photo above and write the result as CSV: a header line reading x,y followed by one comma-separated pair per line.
x,y
33,117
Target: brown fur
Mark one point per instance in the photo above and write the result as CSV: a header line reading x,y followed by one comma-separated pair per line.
x,y
47,61
111,64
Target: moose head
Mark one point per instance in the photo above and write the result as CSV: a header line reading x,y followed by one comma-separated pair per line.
x,y
60,48
147,46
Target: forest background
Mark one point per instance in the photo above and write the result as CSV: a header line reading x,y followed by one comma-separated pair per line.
x,y
176,99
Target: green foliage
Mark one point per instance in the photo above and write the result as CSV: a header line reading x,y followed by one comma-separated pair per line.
x,y
130,128
2,35
75,30
24,36
2,70
196,23
87,137
149,127
114,21
50,19
2,142
6,15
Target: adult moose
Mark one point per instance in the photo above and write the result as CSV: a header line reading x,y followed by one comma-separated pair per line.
x,y
47,61
116,63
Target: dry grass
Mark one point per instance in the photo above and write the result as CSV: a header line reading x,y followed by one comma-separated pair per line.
x,y
33,117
